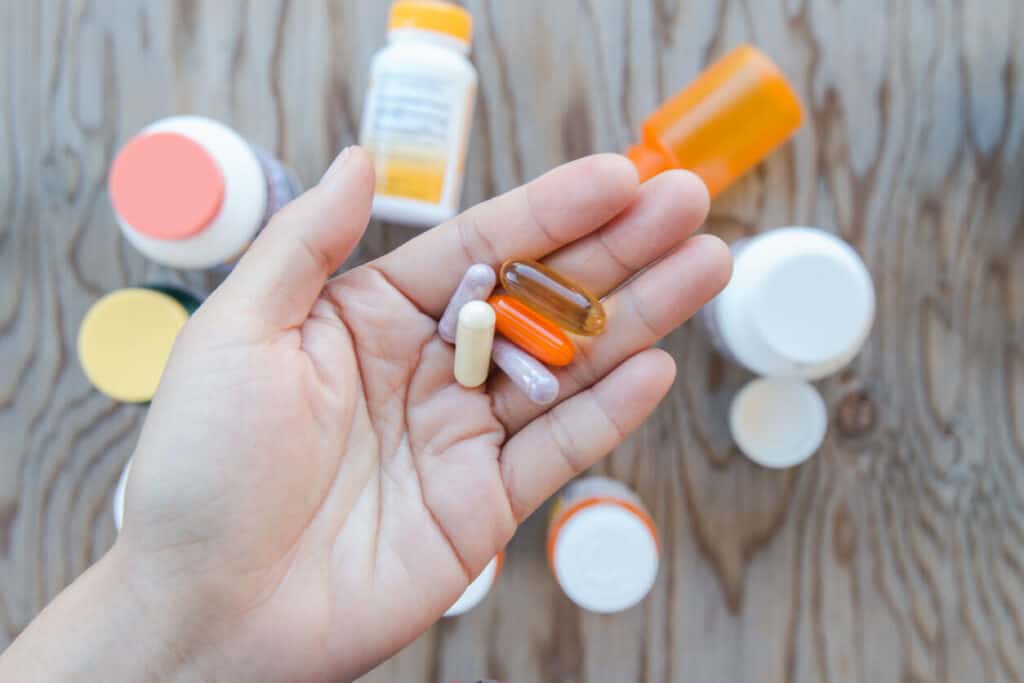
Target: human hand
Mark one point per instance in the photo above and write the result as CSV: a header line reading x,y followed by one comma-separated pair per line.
x,y
311,489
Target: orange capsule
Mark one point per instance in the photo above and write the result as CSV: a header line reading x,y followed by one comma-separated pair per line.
x,y
533,333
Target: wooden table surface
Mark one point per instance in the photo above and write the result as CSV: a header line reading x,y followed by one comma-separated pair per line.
x,y
896,554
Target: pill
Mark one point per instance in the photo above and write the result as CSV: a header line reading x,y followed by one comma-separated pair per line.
x,y
477,284
553,296
532,332
526,372
473,338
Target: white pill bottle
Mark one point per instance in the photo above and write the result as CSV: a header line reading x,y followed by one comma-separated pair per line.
x,y
800,304
190,192
479,588
418,112
603,545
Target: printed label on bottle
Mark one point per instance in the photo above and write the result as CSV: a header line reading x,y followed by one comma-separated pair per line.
x,y
407,129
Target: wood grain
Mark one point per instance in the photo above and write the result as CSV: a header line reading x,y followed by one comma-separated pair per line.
x,y
896,554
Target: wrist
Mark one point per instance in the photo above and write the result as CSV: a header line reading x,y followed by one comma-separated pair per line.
x,y
111,625
158,615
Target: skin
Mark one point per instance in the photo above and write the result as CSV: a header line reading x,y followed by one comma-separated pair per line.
x,y
311,488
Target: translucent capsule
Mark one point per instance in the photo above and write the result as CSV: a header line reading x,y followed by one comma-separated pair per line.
x,y
526,372
553,296
477,284
532,332
473,338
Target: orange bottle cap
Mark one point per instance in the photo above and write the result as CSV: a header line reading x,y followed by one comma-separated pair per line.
x,y
432,15
724,123
166,186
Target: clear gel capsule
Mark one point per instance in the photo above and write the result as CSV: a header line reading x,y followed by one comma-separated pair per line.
x,y
477,284
553,296
473,339
526,372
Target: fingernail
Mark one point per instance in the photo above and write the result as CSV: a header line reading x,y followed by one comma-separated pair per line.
x,y
337,164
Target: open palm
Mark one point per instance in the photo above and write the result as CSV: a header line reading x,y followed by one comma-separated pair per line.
x,y
311,472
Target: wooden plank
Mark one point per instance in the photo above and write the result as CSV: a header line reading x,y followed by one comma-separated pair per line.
x,y
896,554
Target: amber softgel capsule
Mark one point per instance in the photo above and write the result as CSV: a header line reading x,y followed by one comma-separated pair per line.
x,y
554,296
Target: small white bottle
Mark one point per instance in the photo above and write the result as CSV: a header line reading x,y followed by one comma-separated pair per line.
x,y
117,505
477,590
189,192
603,546
800,304
418,113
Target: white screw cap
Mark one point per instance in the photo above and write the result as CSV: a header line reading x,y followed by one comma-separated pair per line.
x,y
778,422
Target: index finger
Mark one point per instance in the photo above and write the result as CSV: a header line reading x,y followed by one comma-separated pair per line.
x,y
530,221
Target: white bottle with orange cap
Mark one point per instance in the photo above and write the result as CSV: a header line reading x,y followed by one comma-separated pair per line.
x,y
603,546
189,192
418,113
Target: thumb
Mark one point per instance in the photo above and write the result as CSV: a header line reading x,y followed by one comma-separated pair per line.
x,y
280,276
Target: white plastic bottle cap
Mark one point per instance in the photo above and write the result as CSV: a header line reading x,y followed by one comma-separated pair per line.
x,y
800,304
118,503
188,192
478,589
778,422
605,557
812,307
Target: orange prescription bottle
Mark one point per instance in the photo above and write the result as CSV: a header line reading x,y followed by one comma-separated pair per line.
x,y
723,124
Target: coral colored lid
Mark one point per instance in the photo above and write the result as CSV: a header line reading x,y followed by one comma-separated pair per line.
x,y
125,339
431,15
166,186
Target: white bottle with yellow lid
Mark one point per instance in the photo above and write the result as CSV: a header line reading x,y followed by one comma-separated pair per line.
x,y
418,113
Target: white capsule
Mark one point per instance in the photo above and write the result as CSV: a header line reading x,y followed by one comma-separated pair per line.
x,y
477,284
474,337
526,372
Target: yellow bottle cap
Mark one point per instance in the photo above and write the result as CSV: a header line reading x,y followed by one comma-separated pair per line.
x,y
125,339
721,125
432,15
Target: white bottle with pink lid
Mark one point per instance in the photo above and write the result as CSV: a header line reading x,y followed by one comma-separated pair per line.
x,y
189,192
800,304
